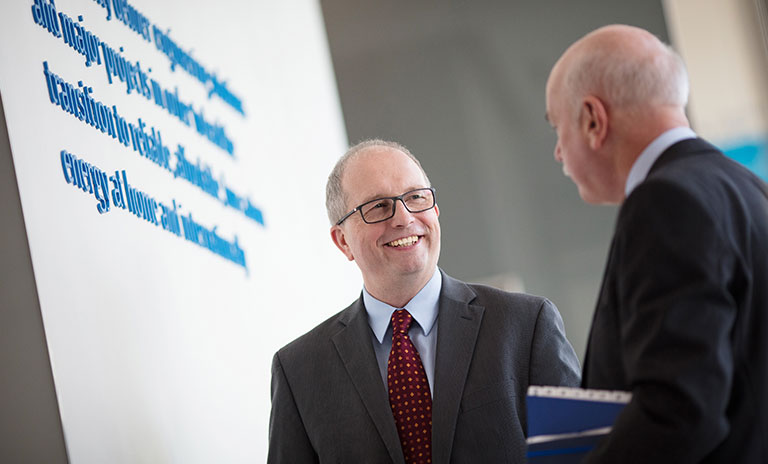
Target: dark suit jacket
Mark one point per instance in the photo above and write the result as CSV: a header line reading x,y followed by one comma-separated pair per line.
x,y
682,318
329,403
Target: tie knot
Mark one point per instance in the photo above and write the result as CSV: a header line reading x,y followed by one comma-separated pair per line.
x,y
401,321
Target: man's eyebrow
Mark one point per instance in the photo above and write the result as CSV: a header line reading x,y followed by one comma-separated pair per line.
x,y
373,197
381,195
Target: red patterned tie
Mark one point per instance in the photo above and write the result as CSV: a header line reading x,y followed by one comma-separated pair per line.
x,y
409,393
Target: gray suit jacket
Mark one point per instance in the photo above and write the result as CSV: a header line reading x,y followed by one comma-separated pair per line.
x,y
329,403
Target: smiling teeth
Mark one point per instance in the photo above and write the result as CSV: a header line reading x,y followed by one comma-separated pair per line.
x,y
407,241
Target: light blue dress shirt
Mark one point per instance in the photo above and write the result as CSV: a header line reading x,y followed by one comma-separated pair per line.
x,y
423,332
643,163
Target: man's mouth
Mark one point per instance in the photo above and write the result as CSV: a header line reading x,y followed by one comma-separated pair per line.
x,y
405,241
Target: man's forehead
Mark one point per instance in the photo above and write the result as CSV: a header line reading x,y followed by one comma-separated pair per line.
x,y
549,103
556,75
371,174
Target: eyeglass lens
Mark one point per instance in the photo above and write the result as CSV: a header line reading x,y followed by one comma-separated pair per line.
x,y
382,209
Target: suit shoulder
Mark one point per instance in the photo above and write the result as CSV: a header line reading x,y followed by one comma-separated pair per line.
x,y
704,173
705,189
488,292
315,338
497,300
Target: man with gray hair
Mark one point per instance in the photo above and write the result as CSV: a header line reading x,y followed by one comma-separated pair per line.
x,y
422,367
682,316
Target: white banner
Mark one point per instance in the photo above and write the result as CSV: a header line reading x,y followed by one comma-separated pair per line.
x,y
171,160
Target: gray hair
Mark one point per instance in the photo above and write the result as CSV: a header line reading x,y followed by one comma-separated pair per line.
x,y
629,80
335,197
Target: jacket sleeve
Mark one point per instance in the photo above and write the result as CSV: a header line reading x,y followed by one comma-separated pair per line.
x,y
288,439
553,361
673,269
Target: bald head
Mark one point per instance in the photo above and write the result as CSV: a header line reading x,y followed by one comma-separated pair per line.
x,y
627,67
610,95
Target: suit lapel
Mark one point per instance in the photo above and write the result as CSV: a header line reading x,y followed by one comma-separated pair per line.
x,y
602,296
353,344
458,326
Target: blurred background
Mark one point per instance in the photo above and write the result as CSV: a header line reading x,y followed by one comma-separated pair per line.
x,y
461,84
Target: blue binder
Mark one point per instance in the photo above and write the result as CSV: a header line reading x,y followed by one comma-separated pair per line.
x,y
565,423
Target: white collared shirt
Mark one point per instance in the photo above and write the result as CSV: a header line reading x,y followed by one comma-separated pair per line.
x,y
423,307
651,153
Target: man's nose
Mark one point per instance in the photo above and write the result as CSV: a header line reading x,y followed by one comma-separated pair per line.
x,y
402,216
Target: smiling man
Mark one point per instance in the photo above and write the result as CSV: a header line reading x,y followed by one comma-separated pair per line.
x,y
422,367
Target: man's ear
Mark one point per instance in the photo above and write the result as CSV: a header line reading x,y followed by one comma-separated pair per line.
x,y
593,121
340,240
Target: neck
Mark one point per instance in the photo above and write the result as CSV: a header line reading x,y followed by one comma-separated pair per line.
x,y
638,130
398,292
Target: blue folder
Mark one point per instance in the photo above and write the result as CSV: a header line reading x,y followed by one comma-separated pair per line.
x,y
564,423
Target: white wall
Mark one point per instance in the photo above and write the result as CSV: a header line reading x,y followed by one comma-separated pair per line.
x,y
160,349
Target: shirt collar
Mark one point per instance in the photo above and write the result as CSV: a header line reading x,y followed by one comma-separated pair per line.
x,y
423,308
652,152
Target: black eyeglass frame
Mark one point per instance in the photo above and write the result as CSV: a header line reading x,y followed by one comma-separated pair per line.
x,y
394,203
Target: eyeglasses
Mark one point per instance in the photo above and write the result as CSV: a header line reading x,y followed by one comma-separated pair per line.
x,y
381,209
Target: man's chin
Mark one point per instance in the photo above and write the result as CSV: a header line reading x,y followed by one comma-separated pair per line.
x,y
594,198
412,268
